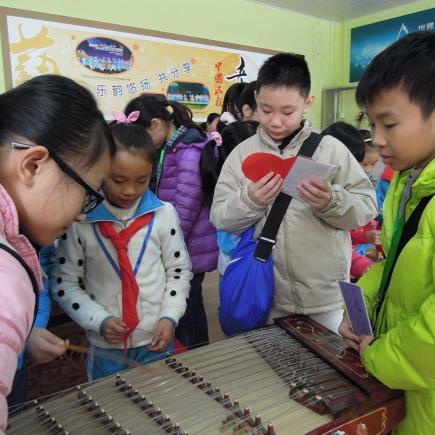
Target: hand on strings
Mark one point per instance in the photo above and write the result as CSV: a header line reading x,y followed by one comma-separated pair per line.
x,y
317,192
345,330
43,346
114,330
265,190
162,336
365,340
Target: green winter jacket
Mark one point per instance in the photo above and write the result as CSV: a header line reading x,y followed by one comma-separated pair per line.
x,y
403,355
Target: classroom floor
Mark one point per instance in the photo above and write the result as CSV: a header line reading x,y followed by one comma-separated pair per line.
x,y
210,291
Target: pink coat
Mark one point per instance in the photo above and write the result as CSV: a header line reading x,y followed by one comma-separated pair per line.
x,y
17,300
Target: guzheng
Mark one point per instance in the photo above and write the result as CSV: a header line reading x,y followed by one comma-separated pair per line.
x,y
295,377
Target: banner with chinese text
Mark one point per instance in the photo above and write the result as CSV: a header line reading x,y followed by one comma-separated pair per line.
x,y
367,41
117,66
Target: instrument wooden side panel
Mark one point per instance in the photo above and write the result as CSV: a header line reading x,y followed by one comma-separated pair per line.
x,y
380,420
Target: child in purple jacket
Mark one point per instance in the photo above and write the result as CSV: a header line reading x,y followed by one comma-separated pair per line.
x,y
188,157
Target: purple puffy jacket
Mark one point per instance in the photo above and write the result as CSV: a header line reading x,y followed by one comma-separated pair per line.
x,y
180,184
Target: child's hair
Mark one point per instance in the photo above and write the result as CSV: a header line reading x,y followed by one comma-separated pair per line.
x,y
59,114
151,107
248,97
210,118
133,137
220,127
408,64
213,156
210,165
235,133
350,136
230,99
285,69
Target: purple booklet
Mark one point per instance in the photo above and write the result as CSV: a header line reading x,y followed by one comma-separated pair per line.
x,y
356,308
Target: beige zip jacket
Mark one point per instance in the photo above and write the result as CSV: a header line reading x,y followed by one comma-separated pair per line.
x,y
313,249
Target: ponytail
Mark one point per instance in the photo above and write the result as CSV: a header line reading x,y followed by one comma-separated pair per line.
x,y
210,166
182,116
152,106
215,153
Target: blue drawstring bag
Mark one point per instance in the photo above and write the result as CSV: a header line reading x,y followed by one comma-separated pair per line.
x,y
247,288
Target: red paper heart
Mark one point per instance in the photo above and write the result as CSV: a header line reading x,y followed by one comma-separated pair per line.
x,y
258,165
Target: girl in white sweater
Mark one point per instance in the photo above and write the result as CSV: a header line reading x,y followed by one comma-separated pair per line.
x,y
124,273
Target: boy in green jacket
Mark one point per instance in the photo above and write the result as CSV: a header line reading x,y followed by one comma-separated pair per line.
x,y
398,94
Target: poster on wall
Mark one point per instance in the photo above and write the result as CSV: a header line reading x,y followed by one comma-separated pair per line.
x,y
368,41
117,64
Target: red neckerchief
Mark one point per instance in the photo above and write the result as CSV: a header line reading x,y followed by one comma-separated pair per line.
x,y
130,289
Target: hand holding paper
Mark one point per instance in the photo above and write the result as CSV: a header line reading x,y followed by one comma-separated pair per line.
x,y
316,192
307,181
265,190
356,308
345,330
304,178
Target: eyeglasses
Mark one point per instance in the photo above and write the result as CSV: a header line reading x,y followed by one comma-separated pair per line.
x,y
93,197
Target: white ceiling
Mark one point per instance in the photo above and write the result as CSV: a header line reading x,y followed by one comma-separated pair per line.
x,y
336,10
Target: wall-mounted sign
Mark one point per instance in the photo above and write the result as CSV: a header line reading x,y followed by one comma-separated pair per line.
x,y
118,63
368,41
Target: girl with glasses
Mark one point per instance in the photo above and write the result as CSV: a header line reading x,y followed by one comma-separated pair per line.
x,y
124,273
50,128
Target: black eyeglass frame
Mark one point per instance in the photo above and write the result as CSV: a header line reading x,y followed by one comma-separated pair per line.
x,y
94,197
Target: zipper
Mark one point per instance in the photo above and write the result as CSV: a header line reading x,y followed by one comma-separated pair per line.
x,y
160,168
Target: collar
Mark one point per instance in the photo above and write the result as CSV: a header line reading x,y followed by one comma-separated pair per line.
x,y
148,203
299,136
288,139
424,185
9,223
178,133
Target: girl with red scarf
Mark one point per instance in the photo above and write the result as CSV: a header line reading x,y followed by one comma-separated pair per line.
x,y
124,274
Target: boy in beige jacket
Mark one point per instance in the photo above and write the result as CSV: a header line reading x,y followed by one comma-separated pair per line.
x,y
313,247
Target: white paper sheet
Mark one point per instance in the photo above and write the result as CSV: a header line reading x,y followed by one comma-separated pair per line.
x,y
305,169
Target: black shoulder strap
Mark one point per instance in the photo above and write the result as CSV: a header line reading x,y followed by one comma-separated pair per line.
x,y
29,272
267,239
408,232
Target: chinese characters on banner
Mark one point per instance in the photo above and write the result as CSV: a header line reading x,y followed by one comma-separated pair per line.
x,y
117,66
367,41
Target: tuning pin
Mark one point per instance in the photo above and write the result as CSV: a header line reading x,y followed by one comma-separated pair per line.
x,y
270,429
119,381
59,430
40,409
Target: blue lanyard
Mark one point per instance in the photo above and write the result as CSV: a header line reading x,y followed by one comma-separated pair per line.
x,y
141,254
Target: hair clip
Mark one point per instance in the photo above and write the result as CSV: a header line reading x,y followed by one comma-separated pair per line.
x,y
121,118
